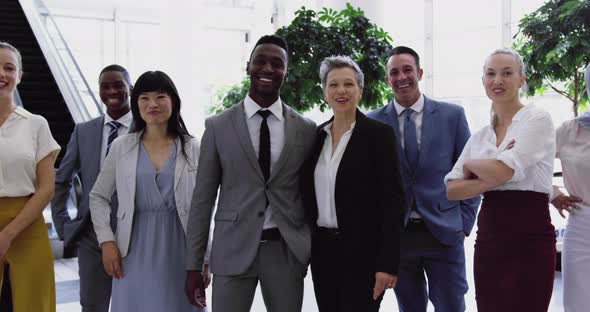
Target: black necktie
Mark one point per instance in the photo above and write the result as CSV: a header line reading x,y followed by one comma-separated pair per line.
x,y
112,134
264,146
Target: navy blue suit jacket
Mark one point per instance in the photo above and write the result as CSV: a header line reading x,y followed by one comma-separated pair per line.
x,y
444,134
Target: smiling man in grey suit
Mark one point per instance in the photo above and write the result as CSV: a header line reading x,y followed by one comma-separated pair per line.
x,y
253,153
84,157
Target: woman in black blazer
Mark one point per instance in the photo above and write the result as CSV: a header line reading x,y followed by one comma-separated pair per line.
x,y
354,198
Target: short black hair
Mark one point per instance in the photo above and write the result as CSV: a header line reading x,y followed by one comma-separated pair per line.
x,y
405,50
116,68
272,39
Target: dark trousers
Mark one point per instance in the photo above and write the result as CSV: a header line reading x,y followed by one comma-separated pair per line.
x,y
343,280
424,258
95,284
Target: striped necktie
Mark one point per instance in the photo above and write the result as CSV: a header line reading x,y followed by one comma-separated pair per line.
x,y
112,134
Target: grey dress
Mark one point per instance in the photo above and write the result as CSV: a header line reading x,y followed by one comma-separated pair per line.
x,y
153,269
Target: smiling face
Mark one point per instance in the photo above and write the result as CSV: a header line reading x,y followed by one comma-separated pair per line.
x,y
342,91
502,78
155,108
10,72
114,92
267,70
403,76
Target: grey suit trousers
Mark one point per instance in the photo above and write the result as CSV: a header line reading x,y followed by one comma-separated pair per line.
x,y
281,282
95,284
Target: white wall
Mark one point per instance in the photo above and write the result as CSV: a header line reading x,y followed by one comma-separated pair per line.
x,y
202,45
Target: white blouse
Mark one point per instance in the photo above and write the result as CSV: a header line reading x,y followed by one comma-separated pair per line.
x,y
531,158
25,139
573,148
325,173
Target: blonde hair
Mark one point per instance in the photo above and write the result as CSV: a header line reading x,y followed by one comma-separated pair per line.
x,y
521,71
19,59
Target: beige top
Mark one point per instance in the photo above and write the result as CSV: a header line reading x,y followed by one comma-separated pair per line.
x,y
25,139
573,149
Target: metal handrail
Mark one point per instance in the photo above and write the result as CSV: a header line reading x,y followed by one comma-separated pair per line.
x,y
63,66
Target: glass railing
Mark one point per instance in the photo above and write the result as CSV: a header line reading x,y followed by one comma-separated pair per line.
x,y
77,94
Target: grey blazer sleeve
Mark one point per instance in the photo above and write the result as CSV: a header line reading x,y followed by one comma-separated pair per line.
x,y
101,194
203,201
68,168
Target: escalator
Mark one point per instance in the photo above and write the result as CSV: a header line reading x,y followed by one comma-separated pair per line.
x,y
38,89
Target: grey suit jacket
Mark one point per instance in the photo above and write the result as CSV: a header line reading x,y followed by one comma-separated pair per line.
x,y
228,162
83,159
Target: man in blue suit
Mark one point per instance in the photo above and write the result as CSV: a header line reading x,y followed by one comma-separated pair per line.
x,y
431,136
88,146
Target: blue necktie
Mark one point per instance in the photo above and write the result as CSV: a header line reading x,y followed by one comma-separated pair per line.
x,y
112,134
410,139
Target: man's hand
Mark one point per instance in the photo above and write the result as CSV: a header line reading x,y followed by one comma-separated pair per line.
x,y
567,203
194,287
111,259
383,281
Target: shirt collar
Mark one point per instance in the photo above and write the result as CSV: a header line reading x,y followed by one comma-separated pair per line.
x,y
328,127
125,120
418,106
251,108
21,112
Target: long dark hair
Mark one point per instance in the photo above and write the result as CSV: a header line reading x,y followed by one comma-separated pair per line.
x,y
158,81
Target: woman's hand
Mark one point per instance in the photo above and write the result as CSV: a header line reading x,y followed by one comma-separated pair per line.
x,y
383,281
5,242
111,259
567,203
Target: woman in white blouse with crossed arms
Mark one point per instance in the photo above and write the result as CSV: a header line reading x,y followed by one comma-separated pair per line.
x,y
510,161
573,149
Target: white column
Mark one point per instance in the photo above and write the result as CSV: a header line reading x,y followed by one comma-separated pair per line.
x,y
428,58
506,23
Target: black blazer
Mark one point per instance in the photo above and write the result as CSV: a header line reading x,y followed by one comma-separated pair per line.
x,y
369,194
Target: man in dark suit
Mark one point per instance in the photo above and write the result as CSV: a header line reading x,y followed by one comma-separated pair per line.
x,y
88,146
431,135
253,153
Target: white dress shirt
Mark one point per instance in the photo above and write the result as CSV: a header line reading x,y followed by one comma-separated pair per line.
x,y
124,120
276,127
416,117
325,174
531,158
25,139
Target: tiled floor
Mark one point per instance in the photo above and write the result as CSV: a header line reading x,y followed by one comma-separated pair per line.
x,y
66,275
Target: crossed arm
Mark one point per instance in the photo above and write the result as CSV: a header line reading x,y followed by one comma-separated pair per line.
x,y
480,175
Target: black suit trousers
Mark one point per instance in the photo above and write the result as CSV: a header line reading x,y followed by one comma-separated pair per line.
x,y
341,283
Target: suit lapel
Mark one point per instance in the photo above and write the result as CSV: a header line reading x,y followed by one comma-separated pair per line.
x,y
428,131
180,161
93,140
243,134
290,139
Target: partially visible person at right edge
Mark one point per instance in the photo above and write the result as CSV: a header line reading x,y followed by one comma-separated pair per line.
x,y
27,156
510,161
573,149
